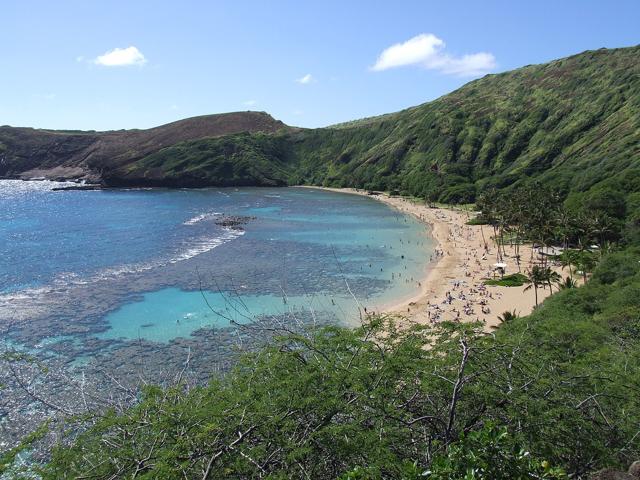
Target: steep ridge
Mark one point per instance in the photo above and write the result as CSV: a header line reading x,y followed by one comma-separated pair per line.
x,y
573,123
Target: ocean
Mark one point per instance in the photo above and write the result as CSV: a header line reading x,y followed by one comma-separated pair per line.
x,y
88,272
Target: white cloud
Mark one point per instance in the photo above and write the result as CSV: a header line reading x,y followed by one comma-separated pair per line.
x,y
471,65
121,57
416,50
249,103
308,78
427,50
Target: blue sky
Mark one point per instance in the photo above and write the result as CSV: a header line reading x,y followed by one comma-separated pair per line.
x,y
307,63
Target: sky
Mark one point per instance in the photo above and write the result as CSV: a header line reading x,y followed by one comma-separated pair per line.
x,y
110,65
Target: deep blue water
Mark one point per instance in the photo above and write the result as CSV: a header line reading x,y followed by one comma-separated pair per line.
x,y
153,264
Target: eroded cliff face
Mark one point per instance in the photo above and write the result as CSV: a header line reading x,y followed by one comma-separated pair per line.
x,y
27,153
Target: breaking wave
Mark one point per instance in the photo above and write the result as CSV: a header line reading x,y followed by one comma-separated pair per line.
x,y
201,218
67,280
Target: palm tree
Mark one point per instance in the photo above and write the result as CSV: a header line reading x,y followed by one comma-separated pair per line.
x,y
535,279
585,262
541,277
553,278
567,283
569,258
489,204
565,228
601,227
506,317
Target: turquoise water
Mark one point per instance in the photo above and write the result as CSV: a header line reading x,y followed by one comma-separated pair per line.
x,y
169,313
125,265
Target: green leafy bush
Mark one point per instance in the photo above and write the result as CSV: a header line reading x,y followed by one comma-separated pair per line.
x,y
513,280
490,454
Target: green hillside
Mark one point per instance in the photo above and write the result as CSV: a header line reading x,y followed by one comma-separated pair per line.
x,y
234,160
572,122
98,156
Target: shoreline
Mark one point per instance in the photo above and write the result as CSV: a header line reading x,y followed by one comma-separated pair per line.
x,y
453,287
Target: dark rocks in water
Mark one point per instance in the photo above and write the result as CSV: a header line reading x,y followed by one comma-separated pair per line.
x,y
234,222
78,187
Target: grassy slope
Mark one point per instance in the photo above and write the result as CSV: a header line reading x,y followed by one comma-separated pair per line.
x,y
572,122
234,160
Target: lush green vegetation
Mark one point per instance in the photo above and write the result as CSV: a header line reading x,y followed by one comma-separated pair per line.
x,y
479,220
513,280
562,384
233,160
572,124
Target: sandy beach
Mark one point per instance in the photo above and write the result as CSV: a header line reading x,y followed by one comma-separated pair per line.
x,y
453,287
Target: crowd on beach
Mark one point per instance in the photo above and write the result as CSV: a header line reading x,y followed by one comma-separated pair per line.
x,y
467,299
454,288
463,299
456,292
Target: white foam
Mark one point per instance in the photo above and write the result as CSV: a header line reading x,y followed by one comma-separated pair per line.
x,y
205,244
201,218
10,302
16,188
